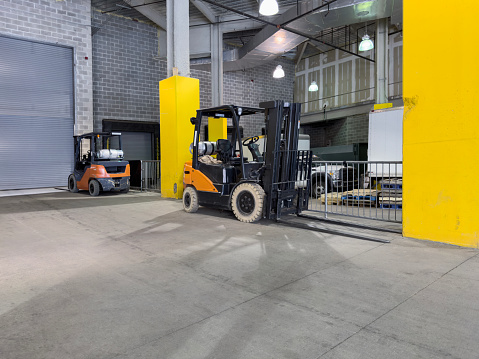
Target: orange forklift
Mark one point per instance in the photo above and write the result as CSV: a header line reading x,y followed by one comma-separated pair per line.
x,y
99,164
274,183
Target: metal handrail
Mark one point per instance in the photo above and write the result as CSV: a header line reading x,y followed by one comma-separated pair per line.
x,y
150,175
363,189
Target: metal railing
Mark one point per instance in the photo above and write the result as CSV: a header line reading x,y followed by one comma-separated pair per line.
x,y
346,99
150,176
364,189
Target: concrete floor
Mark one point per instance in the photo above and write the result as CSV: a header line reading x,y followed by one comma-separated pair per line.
x,y
133,276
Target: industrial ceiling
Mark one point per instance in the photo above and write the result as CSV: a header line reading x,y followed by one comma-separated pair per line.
x,y
311,26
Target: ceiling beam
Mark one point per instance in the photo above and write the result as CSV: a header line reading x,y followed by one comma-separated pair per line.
x,y
149,11
205,10
300,52
289,29
315,46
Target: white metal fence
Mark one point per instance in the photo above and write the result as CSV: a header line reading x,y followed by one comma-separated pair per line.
x,y
363,189
150,176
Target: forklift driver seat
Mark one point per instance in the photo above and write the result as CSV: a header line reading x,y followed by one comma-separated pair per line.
x,y
223,147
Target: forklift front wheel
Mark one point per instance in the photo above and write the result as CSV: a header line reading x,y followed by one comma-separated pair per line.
x,y
190,200
72,184
94,188
247,202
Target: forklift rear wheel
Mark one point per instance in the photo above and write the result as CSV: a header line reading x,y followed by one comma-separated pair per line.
x,y
94,188
190,200
247,202
72,184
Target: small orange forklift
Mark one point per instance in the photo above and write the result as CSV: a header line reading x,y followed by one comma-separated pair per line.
x,y
275,182
99,164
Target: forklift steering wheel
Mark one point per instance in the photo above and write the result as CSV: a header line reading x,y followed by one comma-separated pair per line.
x,y
250,140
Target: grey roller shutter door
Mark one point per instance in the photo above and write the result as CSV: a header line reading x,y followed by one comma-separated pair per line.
x,y
36,114
137,145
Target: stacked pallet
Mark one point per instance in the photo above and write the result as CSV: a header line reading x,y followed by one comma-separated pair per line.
x,y
391,194
333,198
389,197
360,197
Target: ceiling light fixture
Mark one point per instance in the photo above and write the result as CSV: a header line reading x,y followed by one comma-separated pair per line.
x,y
268,7
366,44
313,87
278,72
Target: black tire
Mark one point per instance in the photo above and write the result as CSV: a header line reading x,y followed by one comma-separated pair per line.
x,y
72,184
94,188
318,188
247,202
126,190
190,200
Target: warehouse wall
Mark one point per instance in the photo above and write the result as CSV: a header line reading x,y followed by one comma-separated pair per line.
x,y
352,129
57,22
252,86
125,72
441,127
343,79
126,76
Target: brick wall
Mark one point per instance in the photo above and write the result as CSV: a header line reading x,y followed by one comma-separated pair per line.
x,y
126,76
125,71
255,85
58,22
345,131
358,128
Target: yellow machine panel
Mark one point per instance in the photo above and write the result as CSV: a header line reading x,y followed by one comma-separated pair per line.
x,y
217,128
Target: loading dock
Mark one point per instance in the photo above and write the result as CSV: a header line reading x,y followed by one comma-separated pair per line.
x,y
133,275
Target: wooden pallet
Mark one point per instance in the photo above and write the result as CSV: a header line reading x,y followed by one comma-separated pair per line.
x,y
363,197
391,205
361,192
390,199
359,202
386,193
390,202
366,195
333,198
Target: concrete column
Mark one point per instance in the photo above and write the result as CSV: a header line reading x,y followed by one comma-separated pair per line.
x,y
178,37
382,63
216,65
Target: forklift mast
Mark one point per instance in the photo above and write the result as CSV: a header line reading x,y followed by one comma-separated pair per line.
x,y
287,171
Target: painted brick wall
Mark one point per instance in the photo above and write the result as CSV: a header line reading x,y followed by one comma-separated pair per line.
x,y
125,71
345,131
255,85
57,22
205,86
126,76
358,128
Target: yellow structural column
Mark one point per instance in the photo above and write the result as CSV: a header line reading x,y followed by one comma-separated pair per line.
x,y
179,100
441,123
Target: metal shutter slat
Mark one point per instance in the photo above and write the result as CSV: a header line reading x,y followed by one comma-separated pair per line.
x,y
36,114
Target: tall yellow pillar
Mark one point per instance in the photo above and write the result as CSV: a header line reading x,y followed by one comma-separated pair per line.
x,y
441,123
179,100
